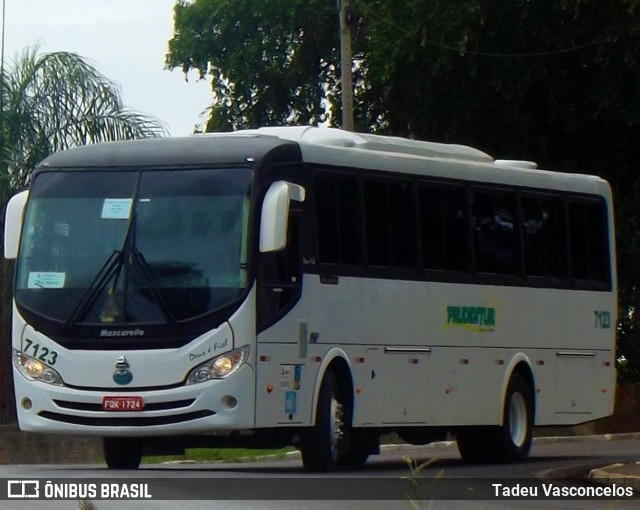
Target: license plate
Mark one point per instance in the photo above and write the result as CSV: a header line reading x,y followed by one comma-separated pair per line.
x,y
122,404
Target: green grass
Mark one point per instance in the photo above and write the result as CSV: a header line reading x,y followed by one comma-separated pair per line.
x,y
218,455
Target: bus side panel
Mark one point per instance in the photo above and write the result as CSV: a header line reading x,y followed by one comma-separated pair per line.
x,y
437,353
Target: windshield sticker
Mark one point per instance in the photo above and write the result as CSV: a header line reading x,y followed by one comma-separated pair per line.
x,y
46,280
116,208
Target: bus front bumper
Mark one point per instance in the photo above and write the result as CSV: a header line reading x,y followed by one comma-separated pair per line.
x,y
216,405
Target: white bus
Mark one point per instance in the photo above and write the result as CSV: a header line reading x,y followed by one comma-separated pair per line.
x,y
311,287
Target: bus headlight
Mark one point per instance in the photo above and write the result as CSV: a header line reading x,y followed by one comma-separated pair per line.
x,y
35,370
220,367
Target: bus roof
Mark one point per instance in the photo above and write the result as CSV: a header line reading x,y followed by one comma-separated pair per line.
x,y
331,137
335,147
323,146
194,150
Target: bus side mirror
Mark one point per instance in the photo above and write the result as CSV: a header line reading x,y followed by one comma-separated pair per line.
x,y
275,214
13,224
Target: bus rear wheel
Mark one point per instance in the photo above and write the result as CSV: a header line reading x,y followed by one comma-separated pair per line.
x,y
513,438
322,445
122,452
509,442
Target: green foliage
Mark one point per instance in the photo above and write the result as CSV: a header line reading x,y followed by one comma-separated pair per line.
x,y
517,78
628,247
54,101
629,347
269,62
415,497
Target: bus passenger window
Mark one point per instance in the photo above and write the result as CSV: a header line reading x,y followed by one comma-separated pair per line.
x,y
338,219
494,232
377,227
443,224
588,237
403,225
390,224
543,230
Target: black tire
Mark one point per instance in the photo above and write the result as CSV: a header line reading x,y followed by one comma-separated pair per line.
x,y
323,444
122,452
513,439
509,442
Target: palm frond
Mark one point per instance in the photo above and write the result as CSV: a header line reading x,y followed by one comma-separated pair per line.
x,y
85,504
58,100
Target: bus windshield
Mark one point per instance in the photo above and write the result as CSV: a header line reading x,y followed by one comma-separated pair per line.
x,y
134,247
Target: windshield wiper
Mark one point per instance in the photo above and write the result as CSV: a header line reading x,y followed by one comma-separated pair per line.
x,y
138,257
109,269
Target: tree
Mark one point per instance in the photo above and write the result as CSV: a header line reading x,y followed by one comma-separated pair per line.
x,y
269,62
50,102
53,101
520,79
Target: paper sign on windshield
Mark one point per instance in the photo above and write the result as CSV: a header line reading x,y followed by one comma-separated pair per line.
x,y
41,280
116,208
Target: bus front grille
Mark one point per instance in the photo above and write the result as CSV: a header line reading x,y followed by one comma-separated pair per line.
x,y
135,421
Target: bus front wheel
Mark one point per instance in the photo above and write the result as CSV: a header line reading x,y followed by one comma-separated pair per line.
x,y
321,445
122,452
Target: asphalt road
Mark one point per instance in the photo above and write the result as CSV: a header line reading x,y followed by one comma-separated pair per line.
x,y
386,482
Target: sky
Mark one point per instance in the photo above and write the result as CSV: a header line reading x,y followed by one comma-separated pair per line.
x,y
126,40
